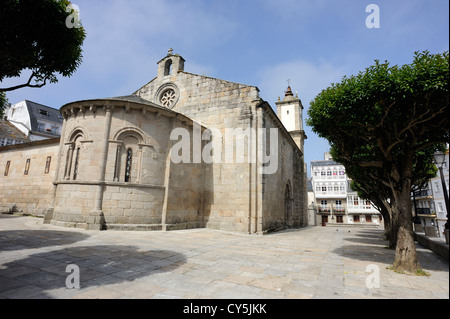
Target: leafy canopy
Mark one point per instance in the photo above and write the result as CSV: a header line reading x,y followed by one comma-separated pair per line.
x,y
34,36
386,113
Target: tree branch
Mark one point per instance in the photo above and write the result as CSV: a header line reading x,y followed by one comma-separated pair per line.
x,y
12,88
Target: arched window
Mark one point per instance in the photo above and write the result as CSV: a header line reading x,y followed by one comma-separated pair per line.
x,y
168,67
128,164
71,170
128,159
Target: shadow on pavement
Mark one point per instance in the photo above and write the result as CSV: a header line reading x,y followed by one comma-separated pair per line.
x,y
367,237
370,246
12,240
34,276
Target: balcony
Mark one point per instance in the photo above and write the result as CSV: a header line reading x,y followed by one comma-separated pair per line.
x,y
324,210
425,212
424,193
331,194
330,178
362,209
339,210
328,209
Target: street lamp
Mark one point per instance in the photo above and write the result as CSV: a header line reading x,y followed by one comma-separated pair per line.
x,y
439,159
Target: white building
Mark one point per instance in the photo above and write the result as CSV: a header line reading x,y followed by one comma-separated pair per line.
x,y
430,203
36,121
334,201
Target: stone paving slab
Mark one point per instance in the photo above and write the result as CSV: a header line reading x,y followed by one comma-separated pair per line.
x,y
309,263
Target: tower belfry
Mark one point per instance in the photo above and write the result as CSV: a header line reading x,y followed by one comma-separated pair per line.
x,y
171,64
290,112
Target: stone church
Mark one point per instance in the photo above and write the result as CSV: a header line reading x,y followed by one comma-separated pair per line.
x,y
183,151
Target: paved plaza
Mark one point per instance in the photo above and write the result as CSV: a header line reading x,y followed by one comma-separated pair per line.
x,y
309,263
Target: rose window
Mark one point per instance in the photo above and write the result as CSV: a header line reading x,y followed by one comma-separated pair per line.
x,y
168,98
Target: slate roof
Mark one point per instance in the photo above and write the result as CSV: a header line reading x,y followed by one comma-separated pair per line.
x,y
51,114
324,163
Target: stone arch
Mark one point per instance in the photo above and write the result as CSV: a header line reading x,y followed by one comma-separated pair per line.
x,y
127,166
78,132
168,67
130,131
74,152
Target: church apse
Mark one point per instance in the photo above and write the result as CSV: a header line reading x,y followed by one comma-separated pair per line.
x,y
116,170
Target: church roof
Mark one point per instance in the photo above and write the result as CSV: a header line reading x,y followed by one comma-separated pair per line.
x,y
126,98
131,98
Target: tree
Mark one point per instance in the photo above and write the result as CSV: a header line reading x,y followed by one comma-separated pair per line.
x,y
35,36
379,119
367,182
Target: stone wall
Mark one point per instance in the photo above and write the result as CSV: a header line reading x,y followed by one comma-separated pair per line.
x,y
116,170
217,105
30,193
238,197
283,192
156,194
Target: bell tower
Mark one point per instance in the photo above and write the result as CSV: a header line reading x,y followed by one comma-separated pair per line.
x,y
290,112
170,64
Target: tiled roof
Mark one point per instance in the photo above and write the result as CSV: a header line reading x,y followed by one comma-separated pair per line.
x,y
7,130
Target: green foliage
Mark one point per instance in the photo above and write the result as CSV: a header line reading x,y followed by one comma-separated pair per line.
x,y
382,97
384,115
34,36
383,125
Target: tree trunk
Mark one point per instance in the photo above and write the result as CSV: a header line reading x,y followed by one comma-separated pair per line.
x,y
406,259
387,227
390,223
393,230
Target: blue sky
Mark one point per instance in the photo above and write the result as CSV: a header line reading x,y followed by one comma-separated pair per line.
x,y
256,42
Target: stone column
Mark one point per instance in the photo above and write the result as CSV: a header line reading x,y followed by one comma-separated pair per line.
x,y
139,167
96,219
69,162
117,163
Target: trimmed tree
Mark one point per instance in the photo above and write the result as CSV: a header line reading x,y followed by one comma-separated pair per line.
x,y
379,119
368,183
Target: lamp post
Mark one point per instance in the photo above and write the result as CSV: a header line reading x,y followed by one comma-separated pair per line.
x,y
439,159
